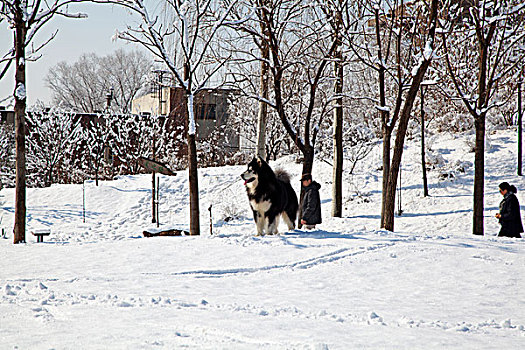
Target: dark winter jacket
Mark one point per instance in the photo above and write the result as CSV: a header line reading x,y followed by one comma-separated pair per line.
x,y
510,220
312,204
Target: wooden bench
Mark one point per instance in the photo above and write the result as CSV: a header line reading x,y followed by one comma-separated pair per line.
x,y
40,234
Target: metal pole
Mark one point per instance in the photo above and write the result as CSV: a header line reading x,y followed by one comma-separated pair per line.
x,y
399,211
211,221
158,196
83,201
153,213
520,129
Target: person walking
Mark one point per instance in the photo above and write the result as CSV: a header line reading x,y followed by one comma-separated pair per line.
x,y
509,212
311,205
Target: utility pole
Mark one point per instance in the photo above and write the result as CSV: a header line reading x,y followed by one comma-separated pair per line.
x,y
520,130
153,207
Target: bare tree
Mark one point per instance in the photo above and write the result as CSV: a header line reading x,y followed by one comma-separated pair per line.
x,y
337,12
262,115
181,42
25,18
483,50
400,49
82,85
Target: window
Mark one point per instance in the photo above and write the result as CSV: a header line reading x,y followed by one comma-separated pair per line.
x,y
206,111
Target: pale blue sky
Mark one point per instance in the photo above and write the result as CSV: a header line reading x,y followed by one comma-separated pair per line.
x,y
75,37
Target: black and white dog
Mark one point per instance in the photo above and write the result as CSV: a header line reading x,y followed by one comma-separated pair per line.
x,y
271,196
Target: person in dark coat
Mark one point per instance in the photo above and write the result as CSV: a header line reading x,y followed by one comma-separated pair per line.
x,y
311,205
509,212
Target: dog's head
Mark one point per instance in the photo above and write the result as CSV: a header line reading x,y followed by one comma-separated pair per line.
x,y
251,175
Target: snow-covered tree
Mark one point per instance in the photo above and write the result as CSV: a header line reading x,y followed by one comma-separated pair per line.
x,y
134,136
484,51
7,156
96,136
397,42
51,135
180,34
244,115
24,19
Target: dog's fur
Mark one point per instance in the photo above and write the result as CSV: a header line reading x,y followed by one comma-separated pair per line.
x,y
271,196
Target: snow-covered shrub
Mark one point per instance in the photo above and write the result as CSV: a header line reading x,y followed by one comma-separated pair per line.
x,y
7,156
462,166
231,211
356,193
448,175
454,121
215,149
52,135
434,159
470,141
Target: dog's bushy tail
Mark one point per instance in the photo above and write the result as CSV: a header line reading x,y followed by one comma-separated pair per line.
x,y
282,175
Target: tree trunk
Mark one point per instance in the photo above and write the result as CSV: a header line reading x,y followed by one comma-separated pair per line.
x,y
423,162
193,175
398,146
337,187
263,107
20,128
194,186
387,136
479,175
385,116
479,122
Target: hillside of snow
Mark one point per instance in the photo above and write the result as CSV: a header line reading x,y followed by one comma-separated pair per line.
x,y
431,284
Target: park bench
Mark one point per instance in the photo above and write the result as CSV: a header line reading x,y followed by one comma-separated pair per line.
x,y
40,234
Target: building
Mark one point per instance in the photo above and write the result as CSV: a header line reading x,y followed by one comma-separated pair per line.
x,y
6,117
210,107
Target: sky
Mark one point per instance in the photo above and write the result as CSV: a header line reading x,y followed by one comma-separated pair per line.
x,y
75,37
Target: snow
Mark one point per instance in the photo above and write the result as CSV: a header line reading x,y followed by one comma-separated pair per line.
x,y
431,284
191,113
20,92
428,52
383,108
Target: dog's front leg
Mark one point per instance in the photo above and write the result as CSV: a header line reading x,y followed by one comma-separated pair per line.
x,y
273,227
260,222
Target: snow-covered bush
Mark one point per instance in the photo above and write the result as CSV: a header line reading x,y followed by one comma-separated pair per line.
x,y
52,136
454,122
434,159
470,141
7,156
462,166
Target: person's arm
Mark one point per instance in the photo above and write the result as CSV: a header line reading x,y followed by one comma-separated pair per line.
x,y
509,209
308,206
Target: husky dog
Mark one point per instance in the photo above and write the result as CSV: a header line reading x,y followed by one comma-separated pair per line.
x,y
271,196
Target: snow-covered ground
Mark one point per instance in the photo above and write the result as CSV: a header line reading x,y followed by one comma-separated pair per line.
x,y
347,285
